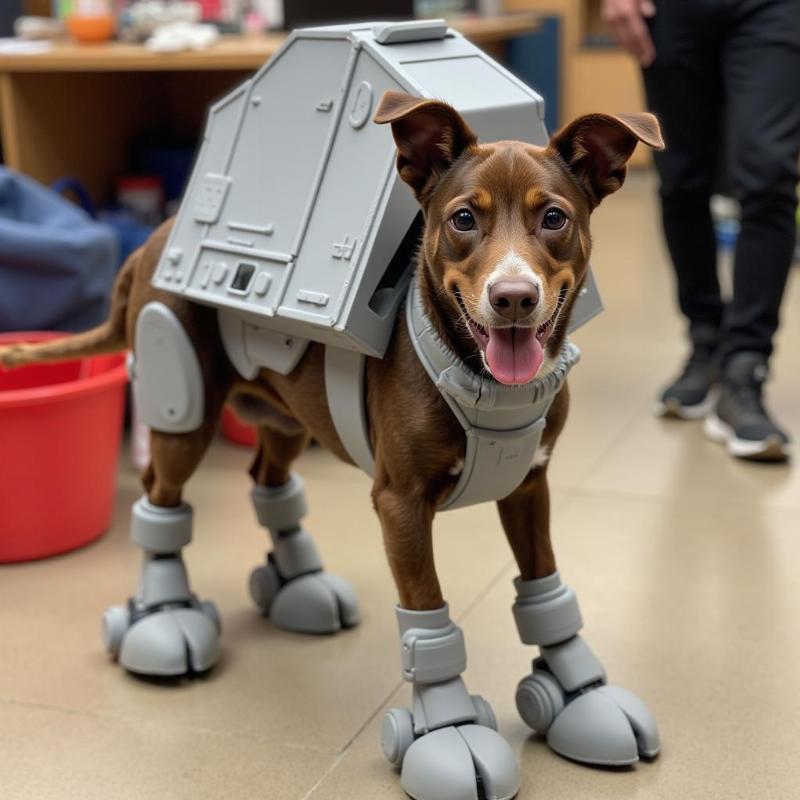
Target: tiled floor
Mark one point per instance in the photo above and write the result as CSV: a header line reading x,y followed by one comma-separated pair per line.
x,y
687,565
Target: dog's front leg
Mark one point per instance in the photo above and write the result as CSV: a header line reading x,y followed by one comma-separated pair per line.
x,y
447,744
566,696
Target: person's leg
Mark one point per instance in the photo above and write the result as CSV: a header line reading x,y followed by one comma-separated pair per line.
x,y
761,68
684,90
762,78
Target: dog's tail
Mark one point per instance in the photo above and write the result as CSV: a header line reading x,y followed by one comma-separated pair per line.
x,y
109,337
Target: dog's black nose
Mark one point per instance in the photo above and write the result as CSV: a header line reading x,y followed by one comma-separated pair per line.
x,y
515,300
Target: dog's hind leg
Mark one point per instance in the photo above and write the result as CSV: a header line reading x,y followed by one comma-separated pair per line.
x,y
447,744
566,697
292,588
164,629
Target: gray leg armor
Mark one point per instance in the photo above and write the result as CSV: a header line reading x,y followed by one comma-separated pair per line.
x,y
567,697
291,588
164,629
447,746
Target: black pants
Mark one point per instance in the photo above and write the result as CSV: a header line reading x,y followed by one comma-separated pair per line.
x,y
729,71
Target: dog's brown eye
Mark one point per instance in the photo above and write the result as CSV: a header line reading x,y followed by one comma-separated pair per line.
x,y
554,219
463,220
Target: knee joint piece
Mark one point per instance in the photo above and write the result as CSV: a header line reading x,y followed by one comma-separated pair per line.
x,y
280,508
432,647
546,611
161,530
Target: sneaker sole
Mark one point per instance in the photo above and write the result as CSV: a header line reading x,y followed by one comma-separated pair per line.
x,y
672,408
769,449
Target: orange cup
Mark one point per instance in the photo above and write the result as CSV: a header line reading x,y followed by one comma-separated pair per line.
x,y
92,28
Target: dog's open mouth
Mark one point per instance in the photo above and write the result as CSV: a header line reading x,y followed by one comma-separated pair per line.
x,y
514,353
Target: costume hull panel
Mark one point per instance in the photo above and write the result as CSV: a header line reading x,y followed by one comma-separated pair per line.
x,y
294,217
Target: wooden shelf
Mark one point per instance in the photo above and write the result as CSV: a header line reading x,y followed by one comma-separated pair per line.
x,y
228,53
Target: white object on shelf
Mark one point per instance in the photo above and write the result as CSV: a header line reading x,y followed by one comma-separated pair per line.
x,y
23,47
38,28
178,36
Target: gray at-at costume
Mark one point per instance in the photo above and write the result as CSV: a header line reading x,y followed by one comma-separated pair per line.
x,y
328,255
296,227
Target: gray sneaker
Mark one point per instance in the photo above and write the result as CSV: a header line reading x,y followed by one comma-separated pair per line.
x,y
740,421
693,393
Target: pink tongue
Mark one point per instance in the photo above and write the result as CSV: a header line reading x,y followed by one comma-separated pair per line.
x,y
514,355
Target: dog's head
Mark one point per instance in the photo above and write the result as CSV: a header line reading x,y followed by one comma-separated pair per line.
x,y
506,241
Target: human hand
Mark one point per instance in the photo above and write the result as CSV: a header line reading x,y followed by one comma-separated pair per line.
x,y
625,19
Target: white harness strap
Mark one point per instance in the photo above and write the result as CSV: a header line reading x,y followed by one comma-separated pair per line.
x,y
502,424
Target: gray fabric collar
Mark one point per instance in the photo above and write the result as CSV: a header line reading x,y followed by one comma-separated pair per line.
x,y
503,424
465,386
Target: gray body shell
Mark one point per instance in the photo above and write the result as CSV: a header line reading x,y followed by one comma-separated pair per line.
x,y
295,224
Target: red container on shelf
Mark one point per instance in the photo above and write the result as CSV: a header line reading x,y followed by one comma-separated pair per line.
x,y
60,431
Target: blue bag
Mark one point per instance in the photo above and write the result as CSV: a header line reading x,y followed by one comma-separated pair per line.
x,y
57,265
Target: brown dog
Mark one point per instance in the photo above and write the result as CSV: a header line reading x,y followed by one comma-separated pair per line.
x,y
504,252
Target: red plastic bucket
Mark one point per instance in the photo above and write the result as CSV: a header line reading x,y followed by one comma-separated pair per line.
x,y
60,431
236,430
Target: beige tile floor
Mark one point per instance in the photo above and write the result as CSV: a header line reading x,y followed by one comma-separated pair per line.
x,y
686,563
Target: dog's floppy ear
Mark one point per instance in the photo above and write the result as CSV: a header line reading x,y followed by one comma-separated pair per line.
x,y
596,148
430,135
